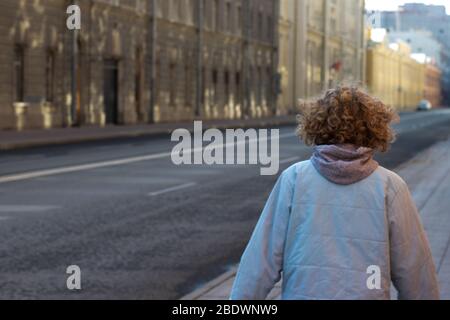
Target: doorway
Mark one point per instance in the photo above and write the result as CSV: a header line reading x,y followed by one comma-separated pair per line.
x,y
110,90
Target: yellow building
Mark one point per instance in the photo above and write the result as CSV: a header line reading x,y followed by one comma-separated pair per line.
x,y
433,90
393,76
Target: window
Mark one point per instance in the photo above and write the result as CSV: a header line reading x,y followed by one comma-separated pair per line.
x,y
237,80
251,81
238,18
182,12
137,80
165,9
187,83
49,75
227,86
333,26
157,85
174,10
192,9
227,21
215,85
216,15
172,84
19,62
269,28
260,25
260,86
203,84
268,84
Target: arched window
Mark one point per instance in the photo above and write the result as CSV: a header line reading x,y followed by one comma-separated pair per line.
x,y
215,82
259,85
175,9
237,84
137,81
19,72
172,84
164,5
227,86
157,87
216,15
203,86
259,22
187,84
269,91
49,75
227,22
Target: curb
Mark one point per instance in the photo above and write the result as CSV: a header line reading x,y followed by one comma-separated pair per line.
x,y
194,295
121,133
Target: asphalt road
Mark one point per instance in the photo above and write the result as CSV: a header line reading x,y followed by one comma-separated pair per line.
x,y
138,226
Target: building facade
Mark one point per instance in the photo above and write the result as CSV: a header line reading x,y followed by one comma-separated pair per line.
x,y
393,76
322,44
433,92
137,61
432,18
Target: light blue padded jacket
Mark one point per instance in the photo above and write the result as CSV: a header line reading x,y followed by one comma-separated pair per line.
x,y
324,237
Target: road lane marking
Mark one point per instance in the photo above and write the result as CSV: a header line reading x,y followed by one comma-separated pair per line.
x,y
110,163
175,188
102,164
289,159
82,167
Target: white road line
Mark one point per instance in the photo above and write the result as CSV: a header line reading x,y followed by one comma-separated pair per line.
x,y
82,167
289,159
110,163
182,186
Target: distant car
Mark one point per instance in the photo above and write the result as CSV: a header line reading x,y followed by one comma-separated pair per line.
x,y
424,105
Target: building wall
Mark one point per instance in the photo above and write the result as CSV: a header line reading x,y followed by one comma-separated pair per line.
x,y
33,30
394,77
316,47
433,18
321,45
113,33
231,73
433,85
286,69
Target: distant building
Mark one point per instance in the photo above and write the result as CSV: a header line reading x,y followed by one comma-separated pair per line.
x,y
394,76
321,44
418,16
137,61
433,92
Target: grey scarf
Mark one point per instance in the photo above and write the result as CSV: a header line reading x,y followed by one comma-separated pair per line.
x,y
343,163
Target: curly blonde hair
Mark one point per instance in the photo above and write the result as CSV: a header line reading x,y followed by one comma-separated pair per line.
x,y
347,115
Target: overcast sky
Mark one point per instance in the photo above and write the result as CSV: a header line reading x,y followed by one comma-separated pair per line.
x,y
393,4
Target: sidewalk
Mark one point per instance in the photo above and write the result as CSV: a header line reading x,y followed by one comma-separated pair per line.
x,y
428,176
43,137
